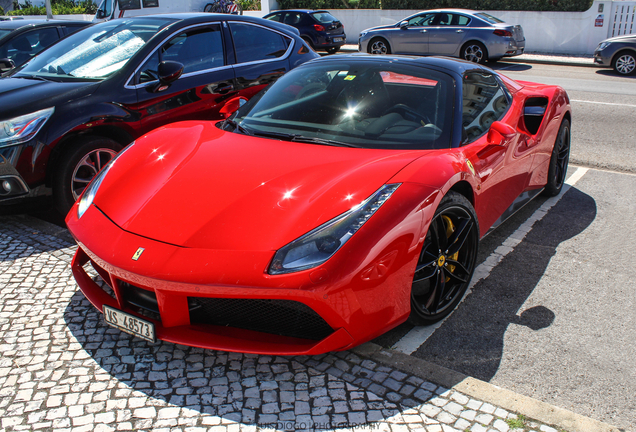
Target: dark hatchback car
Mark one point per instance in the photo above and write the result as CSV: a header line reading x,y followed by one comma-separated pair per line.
x,y
68,111
320,29
618,53
21,40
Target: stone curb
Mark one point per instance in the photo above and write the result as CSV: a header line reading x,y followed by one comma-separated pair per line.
x,y
497,396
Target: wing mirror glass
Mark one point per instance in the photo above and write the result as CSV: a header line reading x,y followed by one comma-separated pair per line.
x,y
232,105
6,65
499,133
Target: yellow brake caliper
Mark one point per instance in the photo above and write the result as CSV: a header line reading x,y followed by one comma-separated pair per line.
x,y
450,229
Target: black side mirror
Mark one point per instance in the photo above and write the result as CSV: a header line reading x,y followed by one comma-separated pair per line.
x,y
100,14
6,65
169,72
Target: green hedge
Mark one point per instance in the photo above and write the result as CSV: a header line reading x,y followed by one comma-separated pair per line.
x,y
525,5
58,7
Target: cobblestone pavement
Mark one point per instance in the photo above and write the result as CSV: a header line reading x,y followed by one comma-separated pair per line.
x,y
62,368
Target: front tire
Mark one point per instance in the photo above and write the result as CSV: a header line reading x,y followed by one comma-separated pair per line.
x,y
624,63
78,166
475,52
559,161
333,50
379,45
447,260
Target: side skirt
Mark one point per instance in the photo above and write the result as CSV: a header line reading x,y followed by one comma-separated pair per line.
x,y
519,203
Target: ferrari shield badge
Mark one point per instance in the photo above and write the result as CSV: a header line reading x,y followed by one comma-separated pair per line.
x,y
470,166
137,254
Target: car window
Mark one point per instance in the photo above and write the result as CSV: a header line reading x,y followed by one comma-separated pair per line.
x,y
27,45
445,19
197,49
3,33
460,20
489,18
253,43
72,28
292,18
484,102
275,17
388,106
422,20
97,51
324,17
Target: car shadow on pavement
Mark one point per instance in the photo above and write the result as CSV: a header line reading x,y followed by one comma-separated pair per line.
x,y
612,73
471,340
143,381
512,66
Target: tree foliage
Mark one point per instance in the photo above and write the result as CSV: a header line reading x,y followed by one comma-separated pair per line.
x,y
526,5
58,7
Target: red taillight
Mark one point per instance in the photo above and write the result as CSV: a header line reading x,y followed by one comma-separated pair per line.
x,y
318,27
503,32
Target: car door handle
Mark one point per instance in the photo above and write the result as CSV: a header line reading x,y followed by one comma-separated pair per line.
x,y
423,31
460,31
224,88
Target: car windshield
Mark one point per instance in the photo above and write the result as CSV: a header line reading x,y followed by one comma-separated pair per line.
x,y
487,17
359,104
324,17
95,52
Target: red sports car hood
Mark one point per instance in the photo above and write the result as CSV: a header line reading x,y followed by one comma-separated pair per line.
x,y
193,185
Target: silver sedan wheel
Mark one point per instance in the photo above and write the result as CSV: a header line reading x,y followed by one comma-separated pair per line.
x,y
625,64
379,47
474,53
88,167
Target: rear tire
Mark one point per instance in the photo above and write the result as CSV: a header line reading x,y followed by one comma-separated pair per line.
x,y
624,63
79,164
379,45
333,50
559,161
474,52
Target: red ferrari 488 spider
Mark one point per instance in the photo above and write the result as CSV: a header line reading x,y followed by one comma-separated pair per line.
x,y
342,200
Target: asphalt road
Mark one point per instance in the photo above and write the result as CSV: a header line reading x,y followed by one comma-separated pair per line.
x,y
554,318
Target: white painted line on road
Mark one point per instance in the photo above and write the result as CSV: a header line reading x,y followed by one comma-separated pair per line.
x,y
411,341
603,103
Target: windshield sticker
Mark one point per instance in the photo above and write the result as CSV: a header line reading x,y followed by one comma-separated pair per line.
x,y
350,78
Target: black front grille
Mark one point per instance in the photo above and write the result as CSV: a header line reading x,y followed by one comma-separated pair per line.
x,y
280,317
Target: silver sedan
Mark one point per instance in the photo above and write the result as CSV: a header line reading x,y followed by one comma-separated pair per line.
x,y
471,35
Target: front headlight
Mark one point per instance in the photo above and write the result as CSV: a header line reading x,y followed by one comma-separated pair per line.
x,y
20,129
317,246
603,45
88,195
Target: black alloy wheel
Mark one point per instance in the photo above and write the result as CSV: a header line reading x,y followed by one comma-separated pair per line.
x,y
559,161
447,260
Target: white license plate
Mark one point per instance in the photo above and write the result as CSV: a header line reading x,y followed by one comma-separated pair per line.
x,y
337,39
129,323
